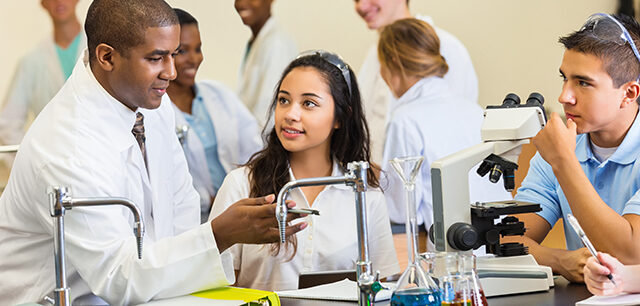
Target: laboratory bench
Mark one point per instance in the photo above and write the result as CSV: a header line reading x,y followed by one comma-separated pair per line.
x,y
563,293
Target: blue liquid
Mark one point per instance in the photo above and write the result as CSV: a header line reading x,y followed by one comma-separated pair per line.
x,y
415,297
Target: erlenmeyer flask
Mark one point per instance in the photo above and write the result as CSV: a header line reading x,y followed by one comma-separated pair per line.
x,y
467,266
414,287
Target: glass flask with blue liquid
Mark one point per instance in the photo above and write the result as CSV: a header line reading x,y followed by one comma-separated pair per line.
x,y
414,287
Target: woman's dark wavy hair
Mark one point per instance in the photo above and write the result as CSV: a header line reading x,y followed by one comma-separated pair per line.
x,y
269,168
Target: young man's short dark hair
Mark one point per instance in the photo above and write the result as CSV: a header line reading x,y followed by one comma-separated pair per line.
x,y
618,59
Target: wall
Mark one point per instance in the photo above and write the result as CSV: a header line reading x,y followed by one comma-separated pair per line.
x,y
513,43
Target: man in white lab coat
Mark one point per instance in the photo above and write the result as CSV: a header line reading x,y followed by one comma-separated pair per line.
x,y
41,72
84,139
376,96
268,52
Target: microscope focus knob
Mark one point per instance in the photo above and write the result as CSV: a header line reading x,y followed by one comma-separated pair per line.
x,y
462,236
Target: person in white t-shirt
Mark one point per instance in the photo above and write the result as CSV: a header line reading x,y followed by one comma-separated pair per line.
x,y
377,97
319,127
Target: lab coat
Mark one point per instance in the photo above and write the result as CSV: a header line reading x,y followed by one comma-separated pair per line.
x,y
271,52
377,97
38,77
428,121
82,139
236,130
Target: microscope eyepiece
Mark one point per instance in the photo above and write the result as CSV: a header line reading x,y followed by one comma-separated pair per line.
x,y
511,100
535,99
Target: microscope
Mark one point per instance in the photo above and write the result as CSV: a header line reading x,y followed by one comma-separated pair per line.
x,y
459,226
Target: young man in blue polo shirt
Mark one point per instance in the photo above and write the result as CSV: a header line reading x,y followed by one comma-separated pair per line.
x,y
590,167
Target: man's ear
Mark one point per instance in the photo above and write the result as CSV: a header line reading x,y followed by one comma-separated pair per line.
x,y
104,56
631,93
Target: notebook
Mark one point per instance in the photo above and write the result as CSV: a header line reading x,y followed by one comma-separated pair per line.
x,y
225,296
344,290
620,299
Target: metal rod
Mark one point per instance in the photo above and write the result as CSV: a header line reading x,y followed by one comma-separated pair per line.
x,y
61,292
356,177
9,149
138,226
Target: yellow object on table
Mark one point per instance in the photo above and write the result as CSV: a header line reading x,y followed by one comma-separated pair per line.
x,y
249,296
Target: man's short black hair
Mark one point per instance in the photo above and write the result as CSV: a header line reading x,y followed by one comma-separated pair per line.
x,y
122,24
618,60
184,17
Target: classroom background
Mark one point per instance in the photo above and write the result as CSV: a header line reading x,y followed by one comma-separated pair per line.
x,y
513,43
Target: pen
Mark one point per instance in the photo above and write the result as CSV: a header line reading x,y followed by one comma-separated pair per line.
x,y
578,229
309,211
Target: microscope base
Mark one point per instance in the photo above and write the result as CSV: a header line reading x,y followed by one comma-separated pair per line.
x,y
512,275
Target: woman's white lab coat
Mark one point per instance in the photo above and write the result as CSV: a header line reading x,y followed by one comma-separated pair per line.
x,y
82,139
429,120
237,134
377,97
271,52
37,78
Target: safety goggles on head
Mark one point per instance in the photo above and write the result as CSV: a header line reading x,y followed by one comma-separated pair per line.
x,y
607,28
334,60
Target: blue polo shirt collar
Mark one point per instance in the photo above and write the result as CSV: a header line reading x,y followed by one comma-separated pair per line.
x,y
626,153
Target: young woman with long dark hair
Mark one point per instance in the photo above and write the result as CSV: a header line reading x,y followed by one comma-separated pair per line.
x,y
319,127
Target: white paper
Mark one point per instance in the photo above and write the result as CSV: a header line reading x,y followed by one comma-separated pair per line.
x,y
344,290
620,299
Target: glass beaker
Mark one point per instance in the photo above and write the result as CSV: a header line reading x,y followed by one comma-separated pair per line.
x,y
439,264
467,266
456,290
414,287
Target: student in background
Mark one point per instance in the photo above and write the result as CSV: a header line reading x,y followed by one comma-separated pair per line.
x,y
377,98
627,277
42,71
319,128
589,166
268,52
428,119
222,133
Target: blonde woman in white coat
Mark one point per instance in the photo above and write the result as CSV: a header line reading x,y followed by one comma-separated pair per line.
x,y
222,133
427,118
